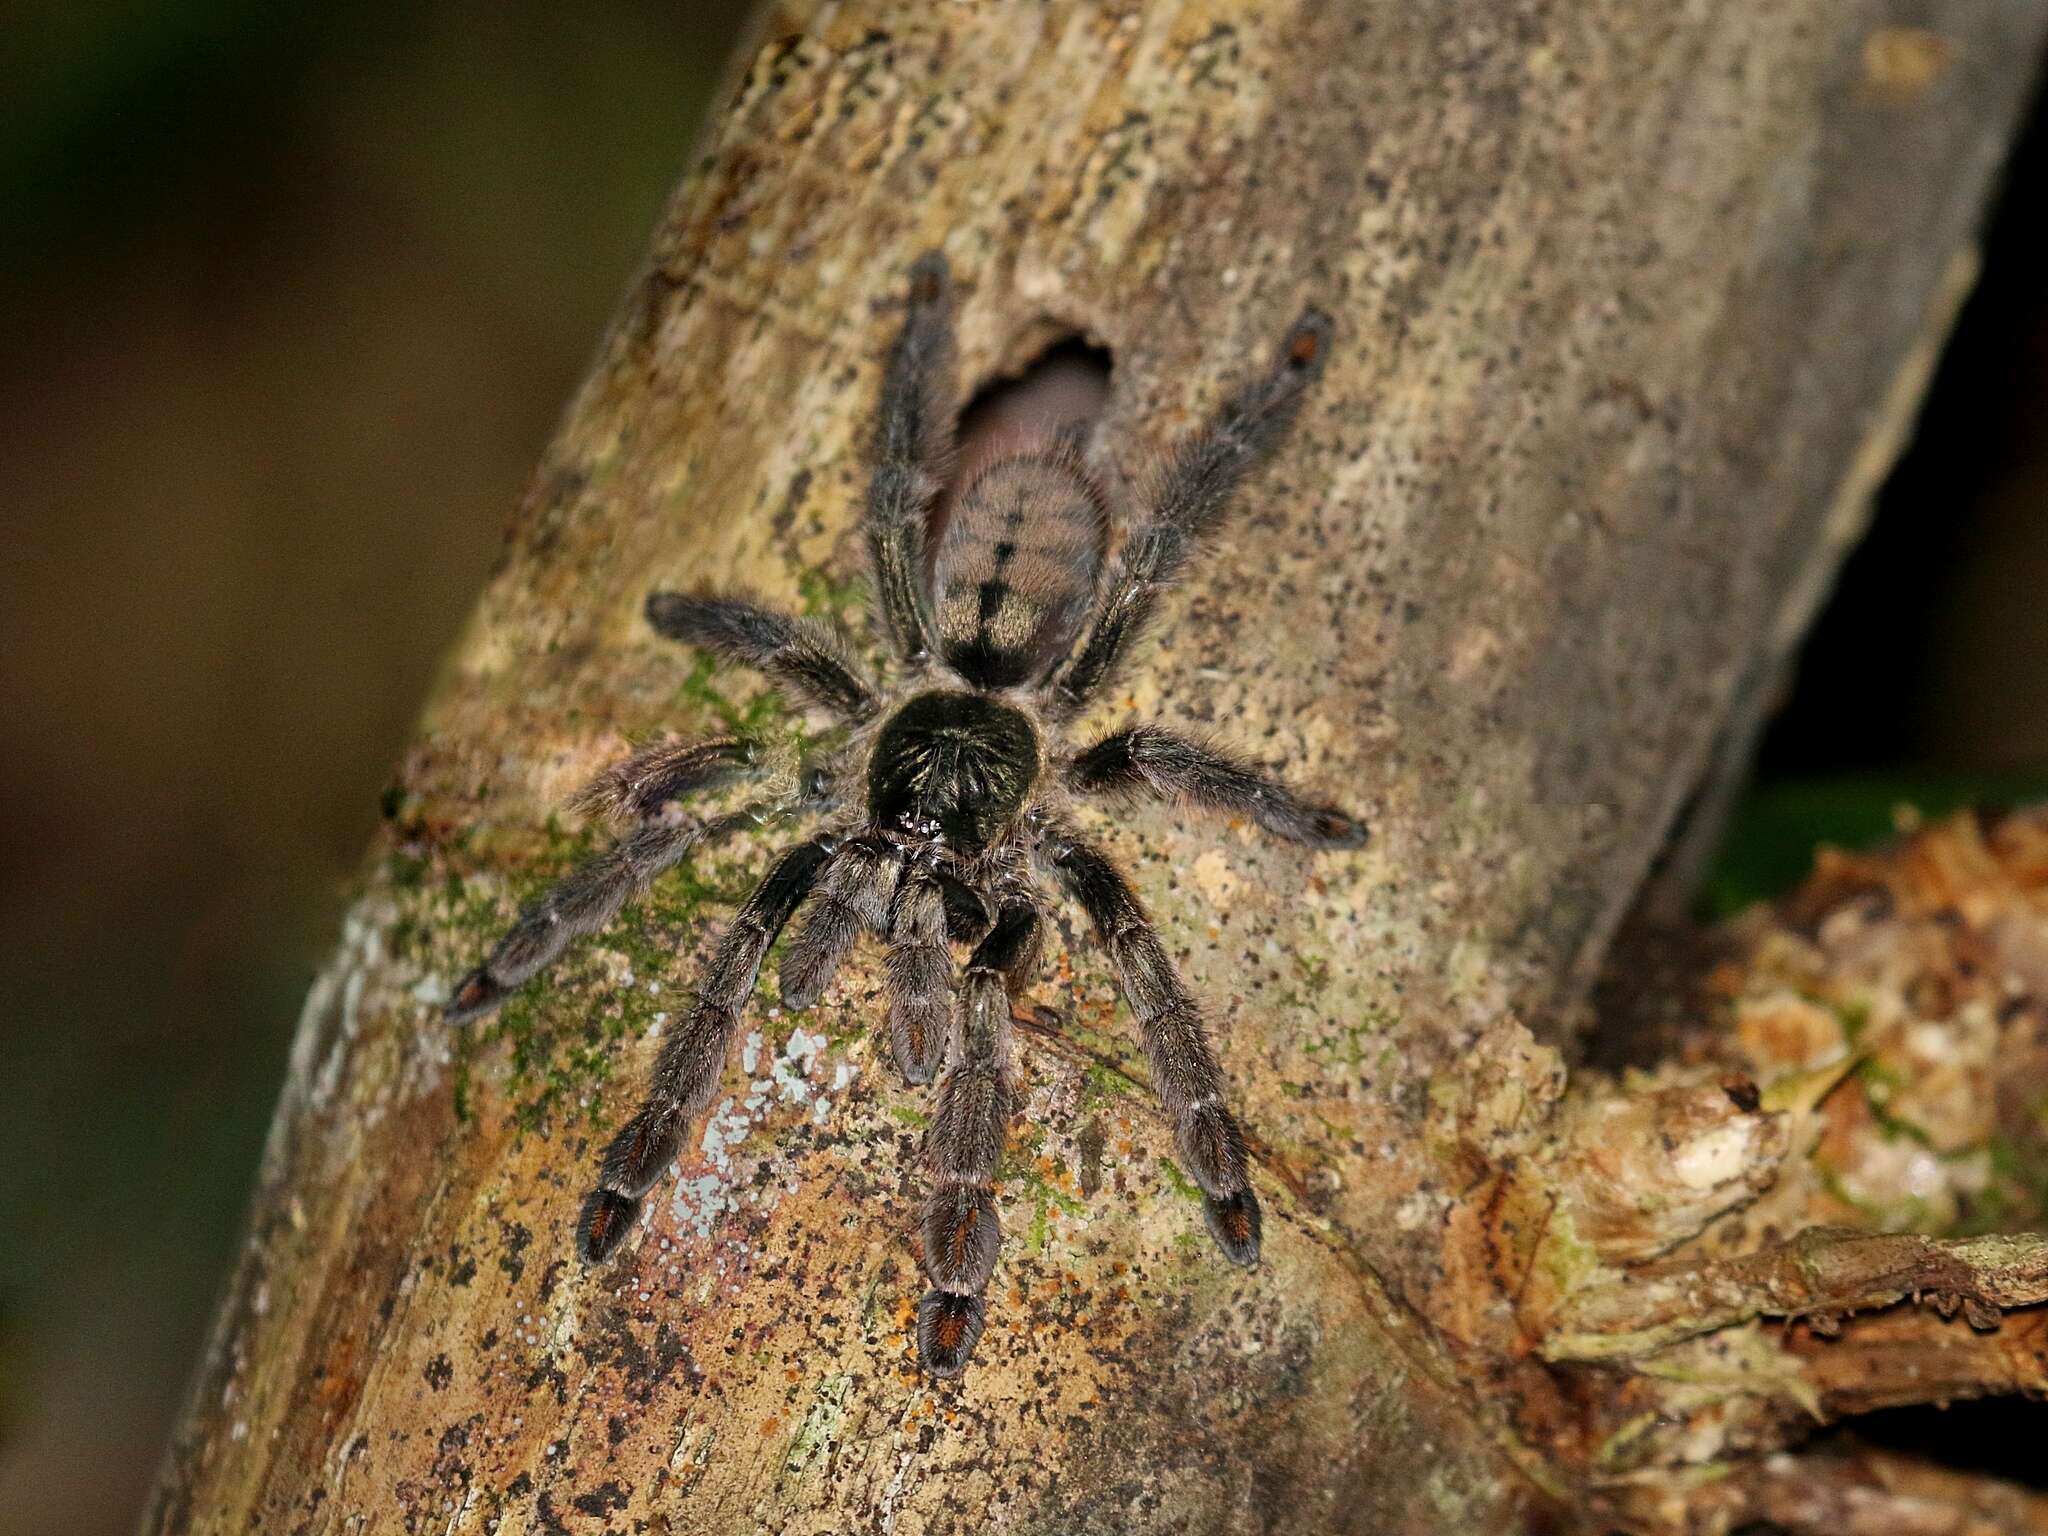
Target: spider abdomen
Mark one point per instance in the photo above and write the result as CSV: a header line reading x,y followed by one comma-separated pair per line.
x,y
1016,566
956,763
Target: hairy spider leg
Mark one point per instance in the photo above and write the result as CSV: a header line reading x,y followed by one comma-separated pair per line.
x,y
655,777
920,971
1188,505
809,656
965,1142
913,435
589,897
692,1058
1151,759
853,898
1184,1067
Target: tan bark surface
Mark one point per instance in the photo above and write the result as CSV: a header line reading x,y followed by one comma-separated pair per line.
x,y
1633,303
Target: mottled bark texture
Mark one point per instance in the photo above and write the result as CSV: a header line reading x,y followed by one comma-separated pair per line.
x,y
1632,305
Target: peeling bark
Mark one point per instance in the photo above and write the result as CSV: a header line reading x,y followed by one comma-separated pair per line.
x,y
1632,304
1820,1275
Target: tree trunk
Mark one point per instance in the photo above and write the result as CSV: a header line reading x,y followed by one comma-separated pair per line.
x,y
1633,306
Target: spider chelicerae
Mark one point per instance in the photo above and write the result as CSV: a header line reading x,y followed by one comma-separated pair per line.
x,y
944,801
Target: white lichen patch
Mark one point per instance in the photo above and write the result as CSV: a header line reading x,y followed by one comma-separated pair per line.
x,y
337,1000
793,1068
794,1077
361,983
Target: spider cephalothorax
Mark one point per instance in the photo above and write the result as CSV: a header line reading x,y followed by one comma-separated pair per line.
x,y
955,765
945,804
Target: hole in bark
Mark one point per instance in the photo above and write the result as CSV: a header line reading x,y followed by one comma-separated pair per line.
x,y
1063,387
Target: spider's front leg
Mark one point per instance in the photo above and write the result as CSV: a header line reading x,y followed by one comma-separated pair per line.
x,y
965,1142
1184,1068
912,435
643,788
687,1071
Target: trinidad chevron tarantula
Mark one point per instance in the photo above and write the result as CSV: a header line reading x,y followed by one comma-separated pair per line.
x,y
948,794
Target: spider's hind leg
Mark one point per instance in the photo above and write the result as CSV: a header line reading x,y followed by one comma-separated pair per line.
x,y
1152,759
692,1058
920,974
965,1142
1188,1078
1189,504
642,788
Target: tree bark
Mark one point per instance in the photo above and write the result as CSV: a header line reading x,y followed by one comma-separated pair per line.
x,y
1633,307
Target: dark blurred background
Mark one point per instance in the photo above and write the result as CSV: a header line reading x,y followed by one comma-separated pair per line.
x,y
292,297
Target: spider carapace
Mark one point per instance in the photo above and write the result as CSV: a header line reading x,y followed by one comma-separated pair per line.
x,y
945,801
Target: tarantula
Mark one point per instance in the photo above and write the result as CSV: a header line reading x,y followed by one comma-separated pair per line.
x,y
949,791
